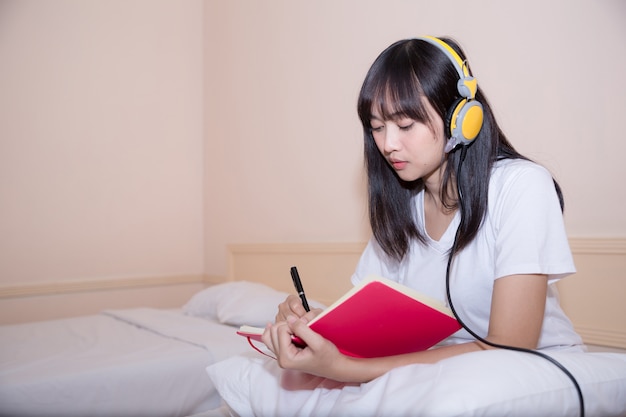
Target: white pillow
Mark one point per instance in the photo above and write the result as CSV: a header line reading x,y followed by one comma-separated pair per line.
x,y
236,303
487,383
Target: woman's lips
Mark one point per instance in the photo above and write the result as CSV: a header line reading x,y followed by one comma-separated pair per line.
x,y
398,165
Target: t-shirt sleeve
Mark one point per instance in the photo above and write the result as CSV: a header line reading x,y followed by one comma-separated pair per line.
x,y
530,231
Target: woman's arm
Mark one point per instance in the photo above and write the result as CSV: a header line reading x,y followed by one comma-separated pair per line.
x,y
517,308
516,319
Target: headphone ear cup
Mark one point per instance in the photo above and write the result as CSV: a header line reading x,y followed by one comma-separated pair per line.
x,y
464,120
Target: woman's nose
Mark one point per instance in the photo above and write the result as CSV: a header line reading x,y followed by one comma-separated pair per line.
x,y
392,140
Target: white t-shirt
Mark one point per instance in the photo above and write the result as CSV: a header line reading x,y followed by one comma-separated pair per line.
x,y
522,233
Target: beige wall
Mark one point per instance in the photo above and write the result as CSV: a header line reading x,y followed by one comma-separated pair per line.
x,y
101,146
139,138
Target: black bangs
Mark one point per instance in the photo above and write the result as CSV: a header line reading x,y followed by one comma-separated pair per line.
x,y
392,89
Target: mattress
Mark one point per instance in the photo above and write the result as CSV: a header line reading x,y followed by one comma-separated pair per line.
x,y
140,362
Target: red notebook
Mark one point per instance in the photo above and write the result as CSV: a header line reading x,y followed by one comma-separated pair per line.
x,y
380,317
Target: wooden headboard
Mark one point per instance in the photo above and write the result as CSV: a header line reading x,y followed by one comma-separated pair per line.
x,y
325,268
593,297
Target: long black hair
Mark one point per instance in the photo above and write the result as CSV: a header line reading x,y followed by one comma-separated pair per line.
x,y
402,76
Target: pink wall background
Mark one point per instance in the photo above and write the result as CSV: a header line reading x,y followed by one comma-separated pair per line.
x,y
101,143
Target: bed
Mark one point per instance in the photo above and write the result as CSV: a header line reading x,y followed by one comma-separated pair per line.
x,y
130,362
189,361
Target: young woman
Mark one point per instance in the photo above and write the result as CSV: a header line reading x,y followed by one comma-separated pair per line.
x,y
456,213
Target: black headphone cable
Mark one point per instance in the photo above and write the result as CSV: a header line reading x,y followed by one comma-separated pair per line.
x,y
581,401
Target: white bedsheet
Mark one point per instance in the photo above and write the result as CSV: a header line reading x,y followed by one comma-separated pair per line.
x,y
139,362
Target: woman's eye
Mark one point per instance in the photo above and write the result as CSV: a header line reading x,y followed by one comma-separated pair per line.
x,y
377,128
407,126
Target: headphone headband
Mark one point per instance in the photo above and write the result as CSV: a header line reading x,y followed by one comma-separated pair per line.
x,y
467,83
465,117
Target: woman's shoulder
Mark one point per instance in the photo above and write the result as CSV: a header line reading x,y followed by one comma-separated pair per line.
x,y
515,178
510,170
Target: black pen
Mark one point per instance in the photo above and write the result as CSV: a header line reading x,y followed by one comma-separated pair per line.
x,y
298,284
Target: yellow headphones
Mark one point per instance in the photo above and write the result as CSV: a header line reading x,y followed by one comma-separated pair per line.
x,y
465,117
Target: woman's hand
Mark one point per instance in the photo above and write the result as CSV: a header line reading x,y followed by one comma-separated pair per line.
x,y
292,306
319,357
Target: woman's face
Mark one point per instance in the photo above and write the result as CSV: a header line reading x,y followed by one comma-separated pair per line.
x,y
413,149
